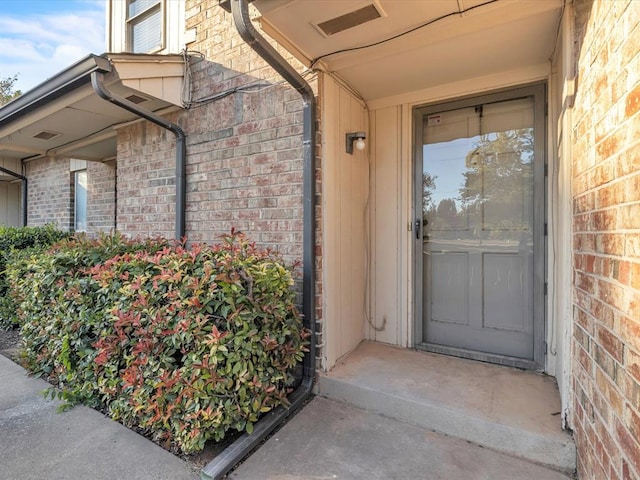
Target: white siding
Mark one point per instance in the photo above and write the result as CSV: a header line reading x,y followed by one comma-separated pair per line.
x,y
345,181
10,204
559,256
387,231
10,195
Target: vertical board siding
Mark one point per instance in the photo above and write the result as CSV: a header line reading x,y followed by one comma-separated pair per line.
x,y
385,225
10,195
10,209
559,211
345,185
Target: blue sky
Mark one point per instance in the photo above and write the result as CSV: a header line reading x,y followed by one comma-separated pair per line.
x,y
39,38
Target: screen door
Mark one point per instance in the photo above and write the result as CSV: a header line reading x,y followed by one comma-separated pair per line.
x,y
478,228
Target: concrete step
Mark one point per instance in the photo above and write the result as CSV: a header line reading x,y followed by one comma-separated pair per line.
x,y
508,410
330,440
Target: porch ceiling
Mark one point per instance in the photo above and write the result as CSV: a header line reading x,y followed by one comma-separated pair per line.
x,y
77,121
488,37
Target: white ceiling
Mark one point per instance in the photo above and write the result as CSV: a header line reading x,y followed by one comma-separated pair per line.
x,y
500,36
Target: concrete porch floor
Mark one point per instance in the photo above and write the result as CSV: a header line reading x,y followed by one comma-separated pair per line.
x,y
508,410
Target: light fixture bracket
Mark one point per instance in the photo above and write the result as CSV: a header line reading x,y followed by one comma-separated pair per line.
x,y
354,137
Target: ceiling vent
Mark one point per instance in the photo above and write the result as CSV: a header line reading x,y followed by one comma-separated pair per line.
x,y
349,20
136,99
46,135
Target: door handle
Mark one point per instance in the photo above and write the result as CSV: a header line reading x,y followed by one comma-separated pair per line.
x,y
417,226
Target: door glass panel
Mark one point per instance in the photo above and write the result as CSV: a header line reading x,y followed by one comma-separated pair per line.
x,y
477,210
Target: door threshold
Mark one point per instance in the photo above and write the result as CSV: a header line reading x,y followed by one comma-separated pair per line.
x,y
505,360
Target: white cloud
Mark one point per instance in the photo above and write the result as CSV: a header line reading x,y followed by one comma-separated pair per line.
x,y
37,46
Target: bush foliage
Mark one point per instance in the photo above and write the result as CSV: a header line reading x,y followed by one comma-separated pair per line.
x,y
14,242
184,343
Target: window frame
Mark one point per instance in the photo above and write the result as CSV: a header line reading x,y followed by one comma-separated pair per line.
x,y
76,173
130,22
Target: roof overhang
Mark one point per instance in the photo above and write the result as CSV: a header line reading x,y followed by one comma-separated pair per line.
x,y
449,40
64,116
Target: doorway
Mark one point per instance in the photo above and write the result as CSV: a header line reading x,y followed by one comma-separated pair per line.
x,y
479,228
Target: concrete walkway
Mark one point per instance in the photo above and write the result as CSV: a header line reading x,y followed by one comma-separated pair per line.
x,y
325,440
36,442
329,440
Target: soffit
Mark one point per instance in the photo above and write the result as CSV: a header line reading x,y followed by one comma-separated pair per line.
x,y
491,37
82,122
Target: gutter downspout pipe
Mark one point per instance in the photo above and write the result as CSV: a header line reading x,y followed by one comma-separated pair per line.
x,y
233,454
97,81
24,192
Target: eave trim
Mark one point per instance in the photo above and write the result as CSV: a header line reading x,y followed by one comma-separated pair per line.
x,y
55,87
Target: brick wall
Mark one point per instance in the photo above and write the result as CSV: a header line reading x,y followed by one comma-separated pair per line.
x,y
244,150
50,192
146,180
606,226
101,196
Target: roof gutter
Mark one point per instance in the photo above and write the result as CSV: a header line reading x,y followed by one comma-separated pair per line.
x,y
53,88
243,446
97,81
23,179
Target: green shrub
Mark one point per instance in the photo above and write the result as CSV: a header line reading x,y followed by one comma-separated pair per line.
x,y
183,343
41,283
15,242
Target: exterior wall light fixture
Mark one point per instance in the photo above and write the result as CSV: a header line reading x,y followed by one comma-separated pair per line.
x,y
357,139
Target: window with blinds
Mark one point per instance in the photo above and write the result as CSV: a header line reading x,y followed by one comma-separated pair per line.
x,y
145,25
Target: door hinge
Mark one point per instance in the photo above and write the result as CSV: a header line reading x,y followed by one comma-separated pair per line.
x,y
546,288
546,169
546,229
545,348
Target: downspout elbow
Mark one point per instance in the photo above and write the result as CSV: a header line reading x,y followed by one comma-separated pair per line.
x,y
97,82
248,33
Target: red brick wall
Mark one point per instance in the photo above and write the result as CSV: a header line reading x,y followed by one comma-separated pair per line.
x,y
101,196
50,193
606,226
